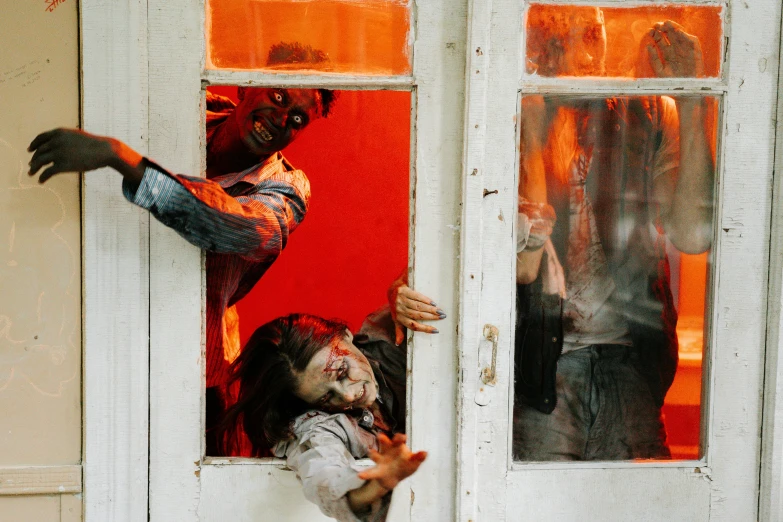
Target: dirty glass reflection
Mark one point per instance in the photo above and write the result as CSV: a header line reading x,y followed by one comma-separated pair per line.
x,y
367,37
609,41
615,219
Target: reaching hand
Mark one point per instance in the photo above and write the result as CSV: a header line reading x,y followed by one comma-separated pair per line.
x,y
393,463
407,306
68,150
672,52
73,150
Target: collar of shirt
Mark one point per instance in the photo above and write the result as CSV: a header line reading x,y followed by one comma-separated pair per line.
x,y
385,396
255,174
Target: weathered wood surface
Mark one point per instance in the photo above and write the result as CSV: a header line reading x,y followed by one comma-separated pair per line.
x,y
771,491
116,268
726,487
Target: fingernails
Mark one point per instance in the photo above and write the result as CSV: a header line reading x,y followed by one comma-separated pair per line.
x,y
441,313
433,303
435,331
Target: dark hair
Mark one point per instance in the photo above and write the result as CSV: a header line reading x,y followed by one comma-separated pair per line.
x,y
266,374
290,53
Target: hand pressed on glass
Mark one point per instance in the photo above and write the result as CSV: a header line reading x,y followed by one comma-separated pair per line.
x,y
672,52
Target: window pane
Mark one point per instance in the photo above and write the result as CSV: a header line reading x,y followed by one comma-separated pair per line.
x,y
338,262
614,235
563,40
347,36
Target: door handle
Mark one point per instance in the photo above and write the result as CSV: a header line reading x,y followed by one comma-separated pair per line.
x,y
488,358
489,373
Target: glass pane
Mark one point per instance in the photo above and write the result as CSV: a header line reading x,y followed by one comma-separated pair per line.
x,y
340,260
636,42
614,236
337,36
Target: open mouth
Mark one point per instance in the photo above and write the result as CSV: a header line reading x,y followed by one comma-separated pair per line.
x,y
262,131
359,397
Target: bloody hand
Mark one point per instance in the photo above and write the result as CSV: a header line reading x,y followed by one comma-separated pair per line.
x,y
393,463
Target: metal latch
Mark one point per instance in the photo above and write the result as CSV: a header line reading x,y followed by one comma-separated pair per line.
x,y
488,358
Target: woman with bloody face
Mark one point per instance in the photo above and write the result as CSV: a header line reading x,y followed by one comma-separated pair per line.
x,y
322,397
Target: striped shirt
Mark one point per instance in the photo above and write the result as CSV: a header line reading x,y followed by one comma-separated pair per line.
x,y
242,220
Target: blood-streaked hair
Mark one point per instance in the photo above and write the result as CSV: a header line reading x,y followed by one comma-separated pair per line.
x,y
266,371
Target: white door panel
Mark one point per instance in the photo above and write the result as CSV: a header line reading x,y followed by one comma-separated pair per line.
x,y
723,485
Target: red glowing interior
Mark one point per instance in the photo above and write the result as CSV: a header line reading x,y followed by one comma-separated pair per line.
x,y
359,37
354,241
550,29
682,406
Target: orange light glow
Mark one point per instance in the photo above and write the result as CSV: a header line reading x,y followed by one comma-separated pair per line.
x,y
359,37
551,35
682,406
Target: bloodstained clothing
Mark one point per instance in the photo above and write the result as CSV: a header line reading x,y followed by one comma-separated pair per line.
x,y
242,220
325,446
611,242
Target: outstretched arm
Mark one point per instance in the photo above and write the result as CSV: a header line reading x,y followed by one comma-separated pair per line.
x,y
393,463
255,226
685,194
532,177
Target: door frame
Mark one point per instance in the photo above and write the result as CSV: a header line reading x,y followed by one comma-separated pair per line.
x,y
738,316
116,259
143,76
771,492
115,273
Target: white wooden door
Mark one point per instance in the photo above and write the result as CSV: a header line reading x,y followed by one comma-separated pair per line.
x,y
722,481
185,485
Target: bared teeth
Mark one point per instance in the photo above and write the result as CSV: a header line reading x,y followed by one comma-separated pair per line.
x,y
265,134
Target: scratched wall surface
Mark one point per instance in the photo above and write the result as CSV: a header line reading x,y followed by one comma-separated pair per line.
x,y
40,271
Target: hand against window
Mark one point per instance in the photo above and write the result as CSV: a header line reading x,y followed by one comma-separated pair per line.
x,y
393,463
672,52
408,306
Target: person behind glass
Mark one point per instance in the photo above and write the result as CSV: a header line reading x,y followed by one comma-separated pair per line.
x,y
242,213
322,398
603,183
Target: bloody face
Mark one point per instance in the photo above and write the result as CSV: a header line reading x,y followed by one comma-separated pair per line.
x,y
339,377
269,119
570,45
586,53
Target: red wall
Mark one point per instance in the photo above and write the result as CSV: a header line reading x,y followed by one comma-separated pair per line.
x,y
354,240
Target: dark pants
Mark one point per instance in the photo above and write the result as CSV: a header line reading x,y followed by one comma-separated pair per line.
x,y
605,411
215,409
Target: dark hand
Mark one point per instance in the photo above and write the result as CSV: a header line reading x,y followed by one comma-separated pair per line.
x,y
71,150
672,52
393,463
407,306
